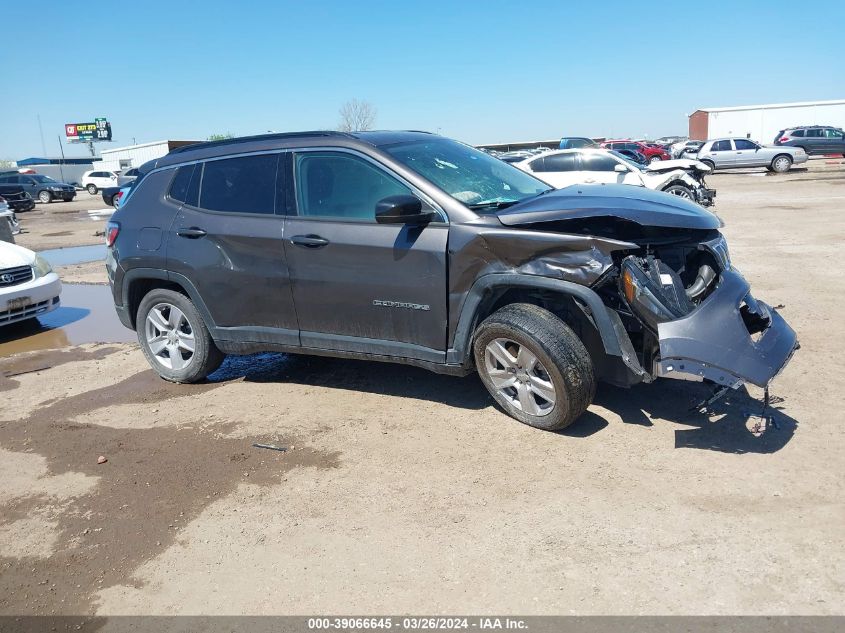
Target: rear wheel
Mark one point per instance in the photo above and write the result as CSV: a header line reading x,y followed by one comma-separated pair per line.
x,y
681,191
92,189
534,366
45,196
781,163
174,337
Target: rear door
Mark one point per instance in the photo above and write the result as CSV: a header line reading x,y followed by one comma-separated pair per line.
x,y
722,153
358,285
815,140
226,239
600,167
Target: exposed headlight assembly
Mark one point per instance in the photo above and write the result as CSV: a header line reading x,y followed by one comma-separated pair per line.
x,y
653,291
41,267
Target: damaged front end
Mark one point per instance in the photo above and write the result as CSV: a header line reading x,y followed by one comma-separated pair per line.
x,y
699,320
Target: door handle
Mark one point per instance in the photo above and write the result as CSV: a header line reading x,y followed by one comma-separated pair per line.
x,y
191,233
309,241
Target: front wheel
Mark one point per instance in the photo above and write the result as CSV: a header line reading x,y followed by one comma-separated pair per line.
x,y
45,197
174,337
681,191
534,366
654,159
781,164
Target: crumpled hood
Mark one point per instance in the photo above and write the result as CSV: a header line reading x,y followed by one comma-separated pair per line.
x,y
12,255
636,204
679,163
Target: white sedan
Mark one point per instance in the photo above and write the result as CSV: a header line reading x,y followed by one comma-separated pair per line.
x,y
562,168
28,285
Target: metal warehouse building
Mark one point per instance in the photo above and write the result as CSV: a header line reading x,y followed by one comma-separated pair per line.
x,y
123,158
762,122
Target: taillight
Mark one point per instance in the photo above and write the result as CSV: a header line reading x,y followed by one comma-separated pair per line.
x,y
117,198
112,229
783,139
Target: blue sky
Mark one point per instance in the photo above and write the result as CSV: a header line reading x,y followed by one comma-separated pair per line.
x,y
481,71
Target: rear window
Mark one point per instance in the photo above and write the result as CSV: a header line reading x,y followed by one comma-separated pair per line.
x,y
246,184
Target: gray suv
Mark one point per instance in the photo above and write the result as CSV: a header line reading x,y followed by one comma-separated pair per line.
x,y
813,139
412,248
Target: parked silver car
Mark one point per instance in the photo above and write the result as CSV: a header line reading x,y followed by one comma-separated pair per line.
x,y
733,153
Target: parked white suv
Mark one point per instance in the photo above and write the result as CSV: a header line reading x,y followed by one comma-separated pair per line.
x,y
93,181
562,168
28,285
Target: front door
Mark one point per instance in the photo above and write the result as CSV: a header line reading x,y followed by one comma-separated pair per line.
x,y
226,239
358,285
747,153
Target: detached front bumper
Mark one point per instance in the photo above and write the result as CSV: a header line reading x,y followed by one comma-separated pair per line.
x,y
705,197
715,341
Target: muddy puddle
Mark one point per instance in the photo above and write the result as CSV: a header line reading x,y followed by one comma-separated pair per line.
x,y
86,315
74,254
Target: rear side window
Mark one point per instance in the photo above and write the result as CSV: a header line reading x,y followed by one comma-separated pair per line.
x,y
246,184
560,162
721,146
598,162
537,165
180,183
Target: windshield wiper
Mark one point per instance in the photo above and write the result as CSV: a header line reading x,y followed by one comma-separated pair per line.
x,y
493,205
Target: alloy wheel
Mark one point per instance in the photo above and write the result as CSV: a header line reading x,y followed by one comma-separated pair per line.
x,y
170,337
519,377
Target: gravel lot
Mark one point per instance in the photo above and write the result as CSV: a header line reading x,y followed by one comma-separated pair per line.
x,y
404,491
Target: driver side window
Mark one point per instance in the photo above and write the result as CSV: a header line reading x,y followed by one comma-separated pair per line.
x,y
343,186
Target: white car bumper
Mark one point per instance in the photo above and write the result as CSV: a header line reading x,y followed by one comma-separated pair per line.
x,y
33,298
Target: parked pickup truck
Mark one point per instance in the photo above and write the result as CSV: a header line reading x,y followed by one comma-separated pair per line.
x,y
412,248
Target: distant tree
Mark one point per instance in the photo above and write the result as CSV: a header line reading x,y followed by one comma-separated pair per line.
x,y
5,163
221,137
357,116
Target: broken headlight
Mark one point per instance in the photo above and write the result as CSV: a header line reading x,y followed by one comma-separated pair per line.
x,y
719,249
653,291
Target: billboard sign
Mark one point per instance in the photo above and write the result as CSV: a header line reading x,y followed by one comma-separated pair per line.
x,y
99,130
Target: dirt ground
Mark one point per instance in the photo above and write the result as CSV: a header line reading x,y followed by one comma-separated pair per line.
x,y
63,224
405,491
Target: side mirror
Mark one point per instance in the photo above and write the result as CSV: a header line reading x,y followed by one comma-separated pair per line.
x,y
620,168
402,209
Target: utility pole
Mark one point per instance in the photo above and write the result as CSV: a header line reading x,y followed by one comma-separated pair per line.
x,y
61,165
41,132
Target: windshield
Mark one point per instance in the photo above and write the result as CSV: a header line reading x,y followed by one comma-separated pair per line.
x,y
40,178
627,160
470,176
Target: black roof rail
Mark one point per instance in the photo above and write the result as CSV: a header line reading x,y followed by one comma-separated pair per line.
x,y
281,136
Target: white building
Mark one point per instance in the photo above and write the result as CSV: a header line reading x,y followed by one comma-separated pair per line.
x,y
123,158
762,122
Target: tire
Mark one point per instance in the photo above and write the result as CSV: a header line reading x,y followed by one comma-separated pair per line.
x,y
682,191
560,361
162,350
654,159
45,197
710,164
92,189
781,163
